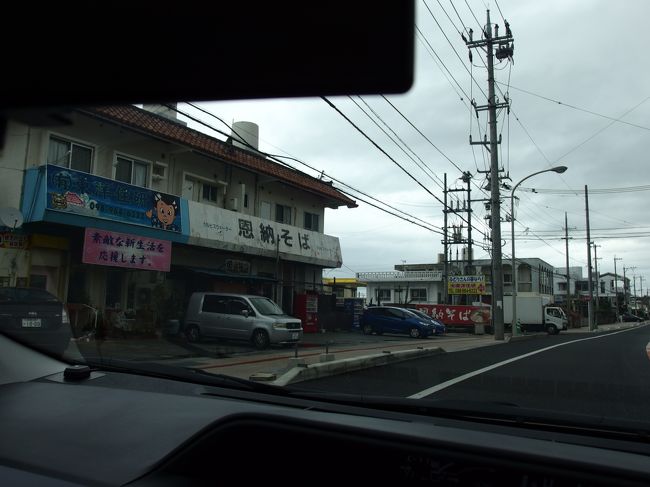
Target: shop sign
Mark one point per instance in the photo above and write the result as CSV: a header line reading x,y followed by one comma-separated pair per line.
x,y
457,315
466,285
216,227
238,266
10,240
103,247
88,195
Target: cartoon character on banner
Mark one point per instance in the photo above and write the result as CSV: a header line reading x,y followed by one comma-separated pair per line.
x,y
164,212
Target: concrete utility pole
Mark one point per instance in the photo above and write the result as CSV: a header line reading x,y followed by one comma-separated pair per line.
x,y
590,305
445,243
597,282
505,50
568,278
616,286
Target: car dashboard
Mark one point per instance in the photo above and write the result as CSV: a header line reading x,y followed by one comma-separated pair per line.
x,y
124,429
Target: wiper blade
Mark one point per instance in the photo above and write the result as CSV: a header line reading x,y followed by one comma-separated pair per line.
x,y
185,374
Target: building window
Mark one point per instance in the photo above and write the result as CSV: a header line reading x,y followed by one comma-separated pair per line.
x,y
561,286
246,201
383,294
265,210
132,171
69,154
602,287
283,214
419,294
311,221
209,193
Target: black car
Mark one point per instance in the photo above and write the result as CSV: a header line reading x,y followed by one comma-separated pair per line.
x,y
35,317
629,317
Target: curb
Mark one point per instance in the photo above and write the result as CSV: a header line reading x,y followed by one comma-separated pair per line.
x,y
318,370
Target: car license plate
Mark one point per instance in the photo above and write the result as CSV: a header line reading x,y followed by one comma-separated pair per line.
x,y
294,336
31,322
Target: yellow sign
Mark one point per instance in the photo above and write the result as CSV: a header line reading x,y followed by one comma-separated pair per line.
x,y
466,285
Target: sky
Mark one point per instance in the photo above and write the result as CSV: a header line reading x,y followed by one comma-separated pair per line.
x,y
579,85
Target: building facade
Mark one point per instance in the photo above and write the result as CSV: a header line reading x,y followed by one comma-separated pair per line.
x,y
129,211
425,284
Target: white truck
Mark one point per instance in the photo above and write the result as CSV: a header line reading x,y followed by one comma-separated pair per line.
x,y
535,313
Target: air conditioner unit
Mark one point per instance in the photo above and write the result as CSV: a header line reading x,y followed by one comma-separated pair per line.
x,y
233,204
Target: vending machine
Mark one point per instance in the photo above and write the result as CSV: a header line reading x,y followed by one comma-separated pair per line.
x,y
305,307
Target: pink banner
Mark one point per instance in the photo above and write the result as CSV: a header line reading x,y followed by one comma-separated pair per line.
x,y
457,315
104,247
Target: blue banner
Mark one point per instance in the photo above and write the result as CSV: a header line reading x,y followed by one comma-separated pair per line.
x,y
88,195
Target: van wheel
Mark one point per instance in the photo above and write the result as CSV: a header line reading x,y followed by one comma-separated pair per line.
x,y
551,330
193,334
260,339
414,332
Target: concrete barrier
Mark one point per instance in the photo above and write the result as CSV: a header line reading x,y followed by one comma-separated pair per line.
x,y
326,369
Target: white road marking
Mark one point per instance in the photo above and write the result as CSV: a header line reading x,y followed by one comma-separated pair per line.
x,y
469,375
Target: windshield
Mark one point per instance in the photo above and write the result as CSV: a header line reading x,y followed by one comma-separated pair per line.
x,y
266,307
509,179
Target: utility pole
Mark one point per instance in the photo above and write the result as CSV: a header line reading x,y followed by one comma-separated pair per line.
x,y
624,285
568,279
616,286
590,305
445,243
597,282
504,50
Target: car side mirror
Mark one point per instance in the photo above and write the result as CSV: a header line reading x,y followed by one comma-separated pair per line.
x,y
245,312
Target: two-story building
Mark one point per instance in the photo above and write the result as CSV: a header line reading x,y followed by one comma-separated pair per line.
x,y
424,283
126,209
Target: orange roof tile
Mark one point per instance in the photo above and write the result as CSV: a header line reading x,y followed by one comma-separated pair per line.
x,y
163,128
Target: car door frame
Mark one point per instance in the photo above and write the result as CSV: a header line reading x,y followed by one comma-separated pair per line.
x,y
214,323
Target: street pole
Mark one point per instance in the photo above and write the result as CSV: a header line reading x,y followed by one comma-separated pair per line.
x,y
624,291
497,265
559,170
616,287
635,303
446,246
590,305
505,49
568,279
597,283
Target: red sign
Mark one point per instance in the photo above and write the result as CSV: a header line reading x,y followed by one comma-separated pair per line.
x,y
104,247
457,315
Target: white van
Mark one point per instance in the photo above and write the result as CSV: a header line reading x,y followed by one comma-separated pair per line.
x,y
240,317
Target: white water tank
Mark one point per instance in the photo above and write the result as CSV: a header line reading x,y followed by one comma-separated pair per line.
x,y
245,135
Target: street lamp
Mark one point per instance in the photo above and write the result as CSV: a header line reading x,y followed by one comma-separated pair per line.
x,y
557,169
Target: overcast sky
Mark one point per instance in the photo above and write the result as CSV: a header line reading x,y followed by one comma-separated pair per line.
x,y
588,54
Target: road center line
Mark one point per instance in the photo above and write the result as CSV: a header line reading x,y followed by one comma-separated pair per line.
x,y
469,375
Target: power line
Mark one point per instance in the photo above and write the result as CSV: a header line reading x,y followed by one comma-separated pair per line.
x,y
326,100
424,39
568,105
454,49
430,227
428,170
628,189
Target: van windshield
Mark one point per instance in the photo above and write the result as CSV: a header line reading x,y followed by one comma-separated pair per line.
x,y
266,307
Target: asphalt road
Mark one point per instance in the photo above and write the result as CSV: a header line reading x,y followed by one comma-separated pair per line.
x,y
605,374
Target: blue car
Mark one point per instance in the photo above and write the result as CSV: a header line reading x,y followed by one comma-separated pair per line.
x,y
438,327
389,319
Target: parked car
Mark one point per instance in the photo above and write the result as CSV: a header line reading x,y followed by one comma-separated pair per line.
x,y
240,317
389,319
36,318
438,327
629,317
